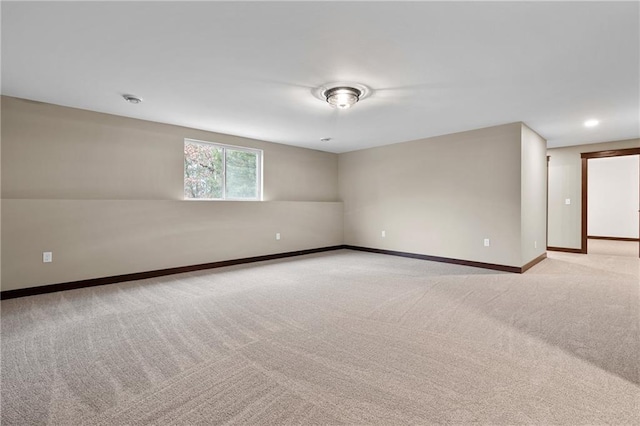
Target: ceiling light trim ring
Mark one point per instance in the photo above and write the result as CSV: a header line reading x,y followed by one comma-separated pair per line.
x,y
321,92
342,97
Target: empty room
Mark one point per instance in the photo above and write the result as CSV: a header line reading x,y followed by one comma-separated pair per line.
x,y
319,213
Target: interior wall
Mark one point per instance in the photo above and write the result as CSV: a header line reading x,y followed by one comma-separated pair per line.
x,y
100,238
105,194
534,195
0,189
613,197
565,182
51,151
439,196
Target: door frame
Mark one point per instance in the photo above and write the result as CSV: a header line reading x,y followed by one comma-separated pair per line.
x,y
585,173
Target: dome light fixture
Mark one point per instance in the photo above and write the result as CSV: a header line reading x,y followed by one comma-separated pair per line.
x,y
342,97
132,99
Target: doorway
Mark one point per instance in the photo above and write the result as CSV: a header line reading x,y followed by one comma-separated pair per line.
x,y
624,244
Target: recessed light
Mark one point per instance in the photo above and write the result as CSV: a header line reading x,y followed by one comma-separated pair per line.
x,y
325,139
591,123
132,99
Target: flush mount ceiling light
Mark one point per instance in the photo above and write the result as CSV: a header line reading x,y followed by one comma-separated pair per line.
x,y
132,99
342,97
591,123
341,94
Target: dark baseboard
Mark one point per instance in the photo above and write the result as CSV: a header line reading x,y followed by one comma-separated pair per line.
x,y
483,265
534,262
51,288
592,237
565,250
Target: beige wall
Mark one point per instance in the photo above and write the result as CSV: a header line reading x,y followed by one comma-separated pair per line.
x,y
0,198
98,238
534,194
104,193
442,196
565,181
56,152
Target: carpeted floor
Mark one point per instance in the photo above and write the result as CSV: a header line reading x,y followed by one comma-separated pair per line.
x,y
333,338
613,248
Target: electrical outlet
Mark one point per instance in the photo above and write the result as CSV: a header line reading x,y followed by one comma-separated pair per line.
x,y
47,257
487,243
383,234
567,201
535,244
277,235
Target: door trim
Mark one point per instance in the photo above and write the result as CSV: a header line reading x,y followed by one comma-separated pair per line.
x,y
585,171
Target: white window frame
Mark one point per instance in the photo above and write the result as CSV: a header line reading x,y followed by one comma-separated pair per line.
x,y
224,147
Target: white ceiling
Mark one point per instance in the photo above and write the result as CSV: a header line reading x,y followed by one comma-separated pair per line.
x,y
250,69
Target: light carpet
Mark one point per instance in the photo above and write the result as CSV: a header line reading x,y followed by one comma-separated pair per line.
x,y
341,337
613,248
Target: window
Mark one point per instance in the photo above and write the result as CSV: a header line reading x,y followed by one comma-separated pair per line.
x,y
221,172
